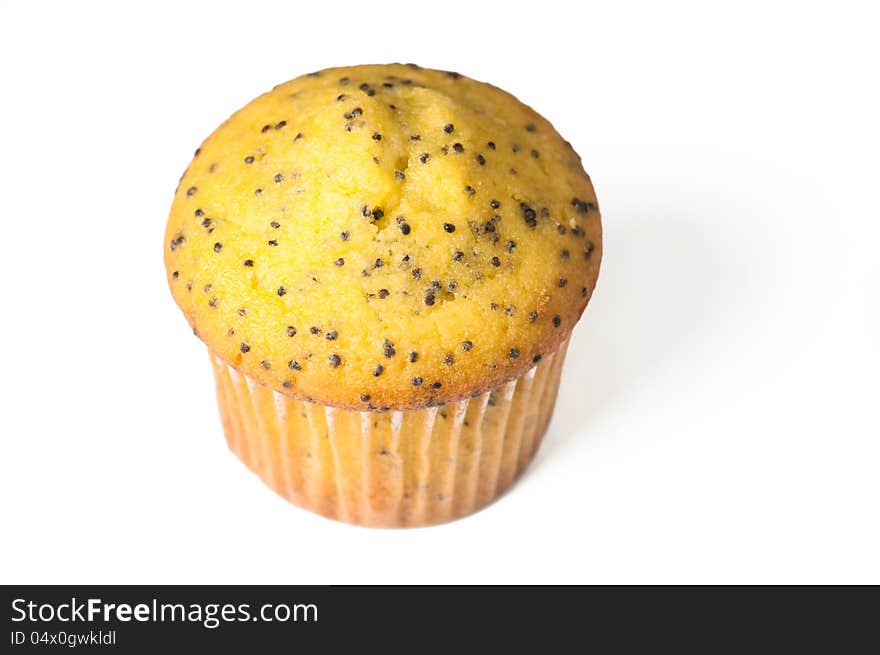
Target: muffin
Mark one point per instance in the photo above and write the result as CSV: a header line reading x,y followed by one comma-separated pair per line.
x,y
385,264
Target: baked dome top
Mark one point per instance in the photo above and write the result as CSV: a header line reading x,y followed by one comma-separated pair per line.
x,y
383,236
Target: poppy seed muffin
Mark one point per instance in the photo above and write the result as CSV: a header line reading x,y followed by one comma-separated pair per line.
x,y
379,260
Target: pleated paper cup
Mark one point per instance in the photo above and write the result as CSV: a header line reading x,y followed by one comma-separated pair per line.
x,y
389,468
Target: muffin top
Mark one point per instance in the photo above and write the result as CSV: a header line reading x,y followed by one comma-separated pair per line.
x,y
383,236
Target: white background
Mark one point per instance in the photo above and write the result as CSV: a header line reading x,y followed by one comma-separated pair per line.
x,y
718,417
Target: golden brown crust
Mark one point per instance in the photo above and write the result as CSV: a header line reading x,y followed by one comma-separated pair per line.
x,y
329,229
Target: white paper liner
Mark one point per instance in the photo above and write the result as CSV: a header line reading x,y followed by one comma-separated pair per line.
x,y
393,468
